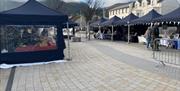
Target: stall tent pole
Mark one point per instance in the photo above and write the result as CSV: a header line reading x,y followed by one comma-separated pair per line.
x,y
112,32
99,27
89,36
68,44
129,29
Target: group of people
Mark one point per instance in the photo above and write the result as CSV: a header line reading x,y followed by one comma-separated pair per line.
x,y
101,35
152,34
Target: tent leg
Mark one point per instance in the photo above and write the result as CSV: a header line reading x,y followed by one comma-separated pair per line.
x,y
129,28
68,44
99,28
112,33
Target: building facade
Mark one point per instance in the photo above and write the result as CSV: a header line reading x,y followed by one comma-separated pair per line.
x,y
142,7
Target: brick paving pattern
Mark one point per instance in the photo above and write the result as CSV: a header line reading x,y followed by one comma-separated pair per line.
x,y
4,75
90,70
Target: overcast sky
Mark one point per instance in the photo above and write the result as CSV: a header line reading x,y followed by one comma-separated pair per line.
x,y
107,2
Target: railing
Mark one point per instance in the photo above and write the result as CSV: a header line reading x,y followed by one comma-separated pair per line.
x,y
167,53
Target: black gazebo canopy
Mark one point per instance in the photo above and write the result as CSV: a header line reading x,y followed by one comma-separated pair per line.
x,y
148,18
173,16
111,21
127,19
34,13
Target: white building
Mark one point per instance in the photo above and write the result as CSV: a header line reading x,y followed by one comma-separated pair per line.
x,y
142,7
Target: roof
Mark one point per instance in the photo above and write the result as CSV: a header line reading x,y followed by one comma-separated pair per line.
x,y
173,16
148,18
149,1
111,21
159,1
32,7
127,19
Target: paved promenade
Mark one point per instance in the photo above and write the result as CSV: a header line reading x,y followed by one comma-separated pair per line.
x,y
93,69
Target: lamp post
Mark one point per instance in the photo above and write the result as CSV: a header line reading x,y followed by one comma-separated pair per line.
x,y
99,27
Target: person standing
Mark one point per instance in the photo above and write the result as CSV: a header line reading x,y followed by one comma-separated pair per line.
x,y
155,35
148,36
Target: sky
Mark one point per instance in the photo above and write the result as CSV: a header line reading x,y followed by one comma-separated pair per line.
x,y
107,2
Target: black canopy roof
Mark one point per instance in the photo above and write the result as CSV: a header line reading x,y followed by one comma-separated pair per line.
x,y
127,19
98,22
111,21
32,12
173,16
148,18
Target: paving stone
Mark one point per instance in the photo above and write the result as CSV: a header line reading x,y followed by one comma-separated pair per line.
x,y
90,70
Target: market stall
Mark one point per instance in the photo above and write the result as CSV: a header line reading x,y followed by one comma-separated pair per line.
x,y
111,23
126,21
173,35
31,33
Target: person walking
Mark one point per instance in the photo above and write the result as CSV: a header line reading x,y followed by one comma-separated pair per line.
x,y
148,36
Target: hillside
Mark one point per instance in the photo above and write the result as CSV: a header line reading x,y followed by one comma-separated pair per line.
x,y
70,8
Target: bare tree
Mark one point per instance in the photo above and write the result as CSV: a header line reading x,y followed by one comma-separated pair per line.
x,y
54,4
90,11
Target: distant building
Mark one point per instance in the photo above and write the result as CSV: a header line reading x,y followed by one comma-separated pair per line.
x,y
121,10
142,7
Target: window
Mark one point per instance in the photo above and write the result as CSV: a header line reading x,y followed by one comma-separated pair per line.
x,y
137,5
152,2
138,14
118,11
128,10
143,4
